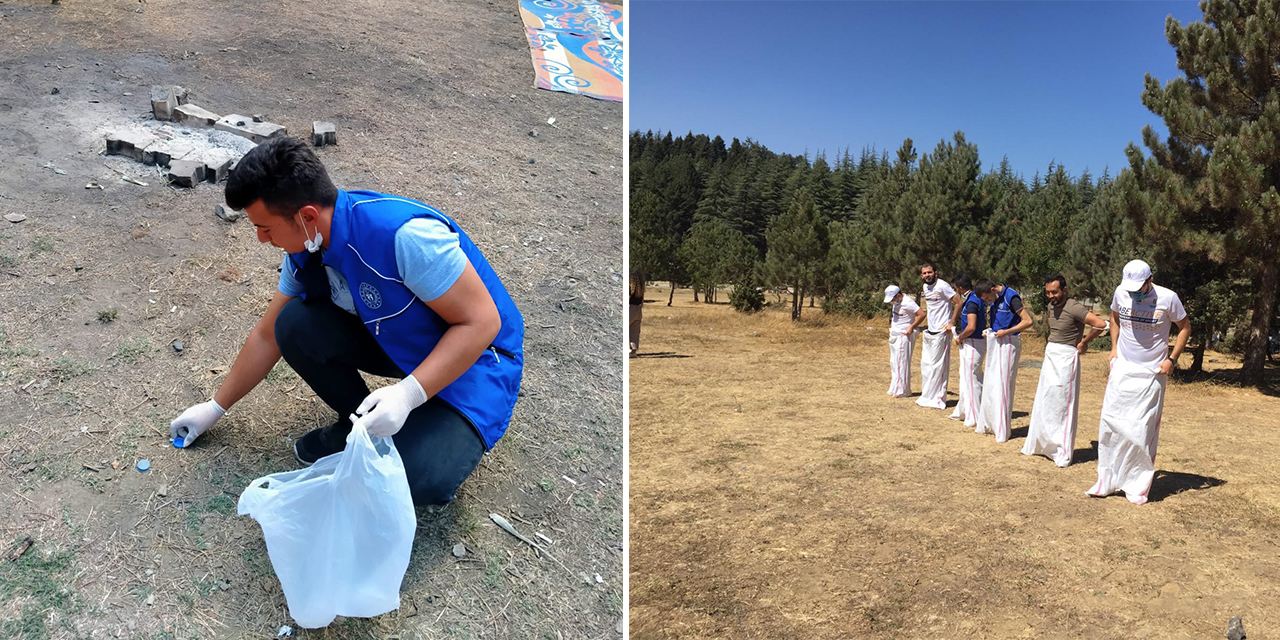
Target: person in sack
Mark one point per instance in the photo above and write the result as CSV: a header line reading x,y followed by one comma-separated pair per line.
x,y
1054,415
973,347
907,315
380,284
1142,313
635,313
1008,317
935,351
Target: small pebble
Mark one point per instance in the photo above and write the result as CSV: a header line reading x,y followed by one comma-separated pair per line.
x,y
533,133
55,91
530,160
459,550
177,346
79,266
144,465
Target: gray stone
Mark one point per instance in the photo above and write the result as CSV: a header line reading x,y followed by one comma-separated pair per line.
x,y
129,143
177,346
1235,629
164,99
185,173
244,126
323,133
194,116
227,215
459,550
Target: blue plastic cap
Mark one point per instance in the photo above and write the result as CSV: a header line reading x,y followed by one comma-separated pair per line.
x,y
143,465
177,442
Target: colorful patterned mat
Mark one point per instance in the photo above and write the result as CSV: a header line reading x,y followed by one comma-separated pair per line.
x,y
576,46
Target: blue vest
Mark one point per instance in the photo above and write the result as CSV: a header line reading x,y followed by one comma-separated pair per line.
x,y
1002,317
362,248
981,324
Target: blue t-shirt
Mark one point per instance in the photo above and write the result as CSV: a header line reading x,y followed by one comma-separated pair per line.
x,y
427,252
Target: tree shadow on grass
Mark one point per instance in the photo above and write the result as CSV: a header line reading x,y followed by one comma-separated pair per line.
x,y
1270,385
1171,483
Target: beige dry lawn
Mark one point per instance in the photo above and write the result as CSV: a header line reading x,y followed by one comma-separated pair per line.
x,y
778,492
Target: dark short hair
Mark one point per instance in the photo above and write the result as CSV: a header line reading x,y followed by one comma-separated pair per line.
x,y
983,286
963,281
285,174
929,264
1057,277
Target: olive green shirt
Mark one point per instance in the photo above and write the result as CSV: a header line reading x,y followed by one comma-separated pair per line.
x,y
1066,323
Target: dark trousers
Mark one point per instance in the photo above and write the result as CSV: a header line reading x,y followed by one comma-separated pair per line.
x,y
329,347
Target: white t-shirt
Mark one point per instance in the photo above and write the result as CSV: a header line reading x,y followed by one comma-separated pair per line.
x,y
1144,327
904,313
937,302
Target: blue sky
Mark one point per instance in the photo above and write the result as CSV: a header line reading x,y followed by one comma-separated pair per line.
x,y
1034,81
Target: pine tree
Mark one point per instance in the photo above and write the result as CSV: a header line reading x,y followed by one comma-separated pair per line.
x,y
1220,167
797,248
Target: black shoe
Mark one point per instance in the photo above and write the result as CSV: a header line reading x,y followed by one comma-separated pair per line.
x,y
321,442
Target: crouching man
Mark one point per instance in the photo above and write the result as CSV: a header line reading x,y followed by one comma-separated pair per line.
x,y
384,285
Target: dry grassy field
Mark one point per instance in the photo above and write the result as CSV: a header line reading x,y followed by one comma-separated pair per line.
x,y
778,492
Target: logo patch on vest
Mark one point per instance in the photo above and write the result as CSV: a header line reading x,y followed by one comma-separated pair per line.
x,y
370,296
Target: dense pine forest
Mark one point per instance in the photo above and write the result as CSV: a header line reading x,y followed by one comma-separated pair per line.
x,y
833,229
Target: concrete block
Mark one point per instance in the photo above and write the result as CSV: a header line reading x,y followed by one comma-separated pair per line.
x,y
165,152
194,116
217,164
129,143
323,133
185,173
164,99
244,126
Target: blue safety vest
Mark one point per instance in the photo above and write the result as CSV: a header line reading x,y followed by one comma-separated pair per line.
x,y
981,324
362,248
1002,317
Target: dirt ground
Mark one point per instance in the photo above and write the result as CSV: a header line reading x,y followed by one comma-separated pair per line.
x,y
433,101
778,492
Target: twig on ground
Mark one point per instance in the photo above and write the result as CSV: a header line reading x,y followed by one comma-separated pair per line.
x,y
506,526
20,548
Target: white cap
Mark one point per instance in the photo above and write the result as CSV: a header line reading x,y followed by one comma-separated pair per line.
x,y
891,291
1136,274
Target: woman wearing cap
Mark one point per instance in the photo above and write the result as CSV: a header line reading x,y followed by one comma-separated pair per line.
x,y
907,315
1141,315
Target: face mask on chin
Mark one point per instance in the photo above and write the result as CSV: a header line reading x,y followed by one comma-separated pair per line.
x,y
1138,296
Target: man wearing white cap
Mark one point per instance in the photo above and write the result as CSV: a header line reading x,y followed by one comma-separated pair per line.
x,y
935,353
1141,315
907,315
1055,413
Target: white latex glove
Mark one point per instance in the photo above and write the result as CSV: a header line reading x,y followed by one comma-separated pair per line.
x,y
384,411
195,421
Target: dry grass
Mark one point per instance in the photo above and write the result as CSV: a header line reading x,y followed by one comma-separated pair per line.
x,y
778,492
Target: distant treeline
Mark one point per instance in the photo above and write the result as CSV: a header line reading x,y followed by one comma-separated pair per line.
x,y
1201,207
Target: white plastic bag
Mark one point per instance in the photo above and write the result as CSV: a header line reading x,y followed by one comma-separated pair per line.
x,y
338,532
